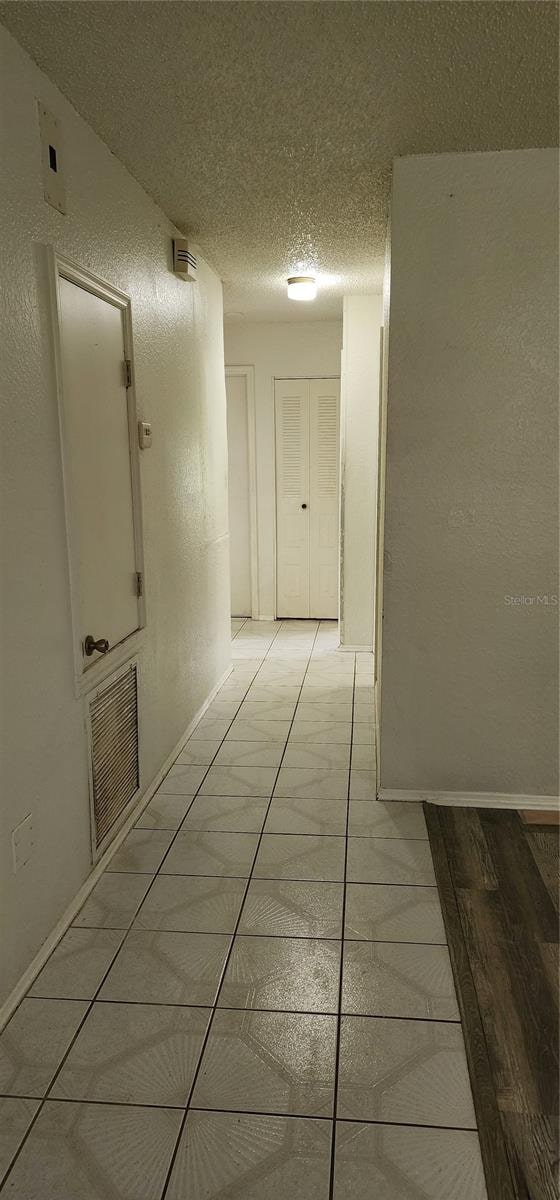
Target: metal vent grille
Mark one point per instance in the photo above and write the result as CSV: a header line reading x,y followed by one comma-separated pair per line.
x,y
114,750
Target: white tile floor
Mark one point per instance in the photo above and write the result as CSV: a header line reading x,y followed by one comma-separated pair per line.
x,y
204,1029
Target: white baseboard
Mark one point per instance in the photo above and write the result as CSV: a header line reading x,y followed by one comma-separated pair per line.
x,y
472,799
356,649
24,983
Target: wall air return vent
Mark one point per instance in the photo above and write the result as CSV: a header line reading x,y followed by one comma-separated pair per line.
x,y
185,263
115,776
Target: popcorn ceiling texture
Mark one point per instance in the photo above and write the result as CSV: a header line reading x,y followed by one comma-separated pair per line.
x,y
268,130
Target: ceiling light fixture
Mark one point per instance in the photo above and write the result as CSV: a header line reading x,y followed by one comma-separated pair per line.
x,y
302,287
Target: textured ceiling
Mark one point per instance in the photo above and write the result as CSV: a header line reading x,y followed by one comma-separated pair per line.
x,y
267,130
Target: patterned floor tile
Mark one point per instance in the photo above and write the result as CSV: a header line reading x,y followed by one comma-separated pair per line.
x,y
270,710
268,1062
318,783
16,1115
373,818
329,754
250,754
251,1157
95,1151
142,851
192,903
256,730
363,784
159,967
319,732
306,816
295,974
389,860
409,1072
395,979
182,781
394,1162
198,753
77,965
363,756
227,814
34,1043
113,901
386,913
239,781
284,908
195,853
300,856
363,733
210,729
165,812
134,1054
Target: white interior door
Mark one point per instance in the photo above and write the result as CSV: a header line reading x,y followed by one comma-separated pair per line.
x,y
98,436
239,495
324,523
292,497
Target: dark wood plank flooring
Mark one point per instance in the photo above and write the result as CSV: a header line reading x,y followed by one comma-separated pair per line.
x,y
498,883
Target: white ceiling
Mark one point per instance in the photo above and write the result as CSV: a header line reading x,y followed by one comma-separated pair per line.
x,y
267,130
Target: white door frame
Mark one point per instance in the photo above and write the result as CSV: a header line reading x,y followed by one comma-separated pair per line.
x,y
280,378
58,266
248,374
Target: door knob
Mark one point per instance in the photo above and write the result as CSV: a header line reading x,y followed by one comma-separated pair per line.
x,y
90,645
304,506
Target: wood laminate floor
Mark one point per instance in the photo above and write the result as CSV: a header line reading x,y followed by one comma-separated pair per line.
x,y
498,883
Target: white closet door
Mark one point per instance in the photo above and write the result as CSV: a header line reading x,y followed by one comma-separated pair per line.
x,y
324,422
292,497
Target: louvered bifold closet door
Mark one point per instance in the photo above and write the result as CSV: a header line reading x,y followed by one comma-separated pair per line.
x,y
115,777
324,421
292,497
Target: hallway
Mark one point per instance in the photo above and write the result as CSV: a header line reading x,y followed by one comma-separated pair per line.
x,y
193,1032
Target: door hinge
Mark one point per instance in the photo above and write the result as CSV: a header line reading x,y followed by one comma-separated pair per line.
x,y
127,373
139,583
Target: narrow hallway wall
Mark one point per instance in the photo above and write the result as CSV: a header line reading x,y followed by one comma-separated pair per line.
x,y
362,320
470,609
113,229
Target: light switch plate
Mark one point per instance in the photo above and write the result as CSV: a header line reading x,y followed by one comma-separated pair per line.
x,y
144,435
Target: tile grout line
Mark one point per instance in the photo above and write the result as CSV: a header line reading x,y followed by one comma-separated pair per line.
x,y
252,1112
271,878
230,950
301,1012
340,981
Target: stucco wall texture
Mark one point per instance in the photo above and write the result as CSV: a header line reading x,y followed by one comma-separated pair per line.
x,y
469,678
117,232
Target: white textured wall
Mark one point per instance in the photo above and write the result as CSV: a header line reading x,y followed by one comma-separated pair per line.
x,y
113,229
278,350
469,696
362,320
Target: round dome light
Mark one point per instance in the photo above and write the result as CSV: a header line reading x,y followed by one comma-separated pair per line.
x,y
302,287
